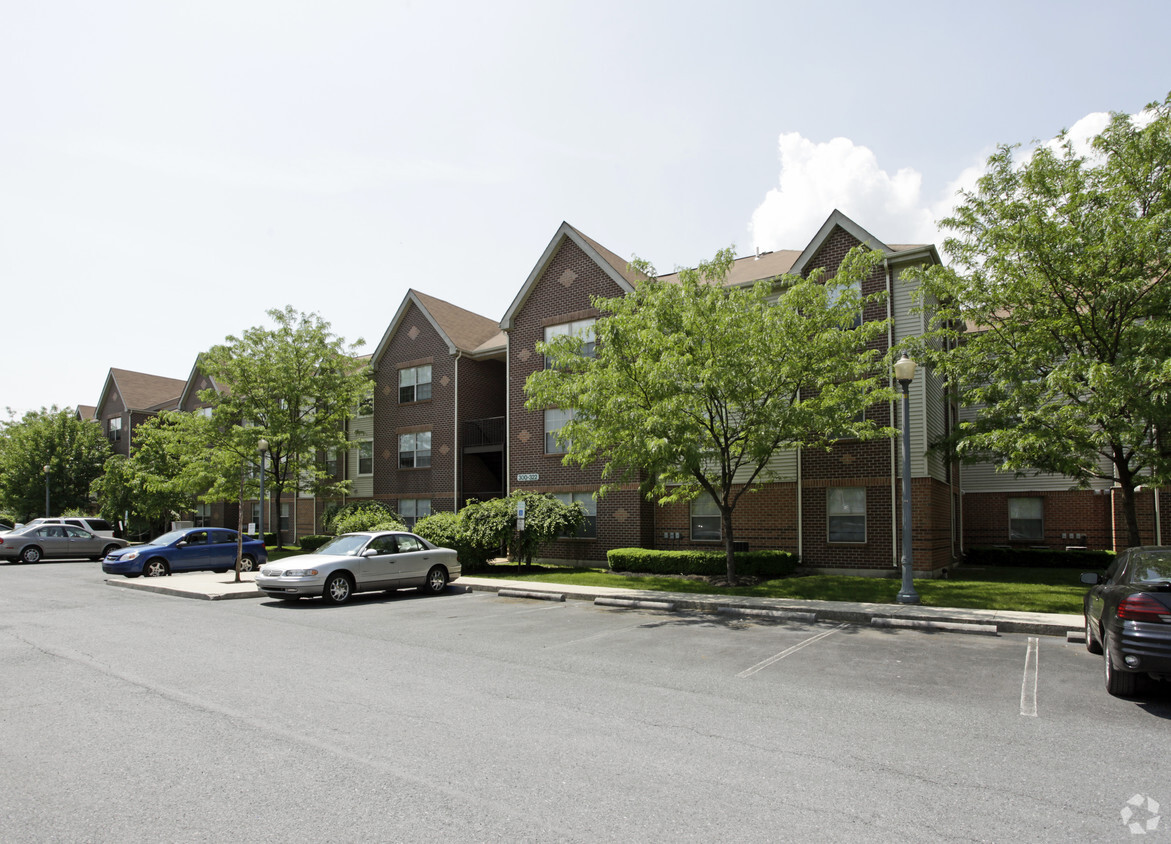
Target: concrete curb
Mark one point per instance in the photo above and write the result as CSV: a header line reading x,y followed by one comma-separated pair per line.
x,y
525,593
632,603
952,626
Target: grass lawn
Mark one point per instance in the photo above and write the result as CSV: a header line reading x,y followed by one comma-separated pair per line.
x,y
1006,588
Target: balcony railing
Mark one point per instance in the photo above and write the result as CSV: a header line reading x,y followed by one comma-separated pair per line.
x,y
482,432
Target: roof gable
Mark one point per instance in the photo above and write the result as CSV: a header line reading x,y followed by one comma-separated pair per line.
x,y
140,390
461,329
609,262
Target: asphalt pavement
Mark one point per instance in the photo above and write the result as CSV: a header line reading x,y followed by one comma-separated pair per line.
x,y
211,586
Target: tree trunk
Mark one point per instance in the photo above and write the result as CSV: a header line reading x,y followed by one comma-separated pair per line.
x,y
729,544
1130,513
240,529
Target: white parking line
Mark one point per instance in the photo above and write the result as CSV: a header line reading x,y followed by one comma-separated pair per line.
x,y
1029,682
777,658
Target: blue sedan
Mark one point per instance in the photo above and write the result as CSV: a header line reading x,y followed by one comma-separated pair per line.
x,y
187,549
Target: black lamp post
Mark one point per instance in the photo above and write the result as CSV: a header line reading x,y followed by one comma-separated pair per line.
x,y
904,373
262,450
45,469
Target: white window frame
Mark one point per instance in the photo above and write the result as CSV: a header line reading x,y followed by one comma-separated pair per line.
x,y
365,445
555,420
1025,512
414,450
845,509
703,510
114,429
418,380
589,528
413,509
583,329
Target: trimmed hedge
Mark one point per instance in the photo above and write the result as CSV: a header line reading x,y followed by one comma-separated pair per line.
x,y
768,565
314,541
1047,558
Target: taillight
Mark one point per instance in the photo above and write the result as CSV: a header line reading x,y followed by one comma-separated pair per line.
x,y
1142,607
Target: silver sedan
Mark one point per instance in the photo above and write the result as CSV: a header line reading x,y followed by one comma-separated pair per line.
x,y
36,542
361,562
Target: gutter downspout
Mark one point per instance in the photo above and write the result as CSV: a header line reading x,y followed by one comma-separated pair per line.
x,y
507,413
894,446
458,445
1158,519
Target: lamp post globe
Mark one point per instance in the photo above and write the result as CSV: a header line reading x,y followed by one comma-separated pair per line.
x,y
904,372
45,469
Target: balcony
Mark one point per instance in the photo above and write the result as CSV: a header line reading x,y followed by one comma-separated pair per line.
x,y
481,436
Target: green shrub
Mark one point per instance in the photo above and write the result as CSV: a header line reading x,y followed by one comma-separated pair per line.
x,y
314,541
1039,558
449,531
269,538
768,565
367,515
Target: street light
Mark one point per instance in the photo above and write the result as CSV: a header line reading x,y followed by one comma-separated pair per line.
x,y
904,373
262,449
45,469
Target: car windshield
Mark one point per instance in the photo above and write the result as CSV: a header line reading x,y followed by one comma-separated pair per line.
x,y
1151,566
347,544
169,537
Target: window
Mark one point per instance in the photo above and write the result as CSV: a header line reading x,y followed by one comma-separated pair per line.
x,y
705,519
589,527
366,405
845,508
583,329
414,450
1024,519
202,514
255,518
554,421
114,429
285,523
414,384
413,509
206,412
331,462
837,291
366,457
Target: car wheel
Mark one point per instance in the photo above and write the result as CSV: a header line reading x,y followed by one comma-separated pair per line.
x,y
1118,683
436,581
247,563
30,554
156,568
107,550
1092,644
338,589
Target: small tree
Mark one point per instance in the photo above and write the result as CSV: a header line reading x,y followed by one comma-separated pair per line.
x,y
73,449
695,386
293,385
493,523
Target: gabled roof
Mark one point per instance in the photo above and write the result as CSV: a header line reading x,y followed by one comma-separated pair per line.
x,y
460,329
140,391
770,265
86,411
191,386
618,269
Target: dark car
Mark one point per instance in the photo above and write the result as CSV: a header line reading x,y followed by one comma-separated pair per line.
x,y
34,543
187,549
1128,617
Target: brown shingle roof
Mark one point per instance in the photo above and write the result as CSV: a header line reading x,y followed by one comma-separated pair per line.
x,y
465,329
622,267
141,391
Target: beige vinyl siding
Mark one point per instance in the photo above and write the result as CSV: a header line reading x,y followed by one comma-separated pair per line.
x,y
909,324
782,466
360,428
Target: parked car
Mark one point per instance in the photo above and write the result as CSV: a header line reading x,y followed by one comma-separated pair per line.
x,y
33,543
1128,617
95,525
361,562
186,549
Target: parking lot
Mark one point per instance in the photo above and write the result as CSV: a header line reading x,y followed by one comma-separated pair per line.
x,y
469,716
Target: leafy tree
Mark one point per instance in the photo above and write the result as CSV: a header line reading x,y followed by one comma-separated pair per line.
x,y
150,485
73,449
294,385
492,524
1059,263
695,386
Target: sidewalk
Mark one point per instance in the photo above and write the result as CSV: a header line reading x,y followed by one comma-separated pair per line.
x,y
209,586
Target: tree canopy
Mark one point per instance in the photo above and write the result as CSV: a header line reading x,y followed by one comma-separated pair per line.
x,y
293,385
73,449
1054,317
694,386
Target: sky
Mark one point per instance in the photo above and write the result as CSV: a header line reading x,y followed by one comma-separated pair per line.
x,y
171,171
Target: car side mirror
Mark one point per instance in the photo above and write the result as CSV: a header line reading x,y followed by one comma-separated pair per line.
x,y
182,543
370,552
1092,578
